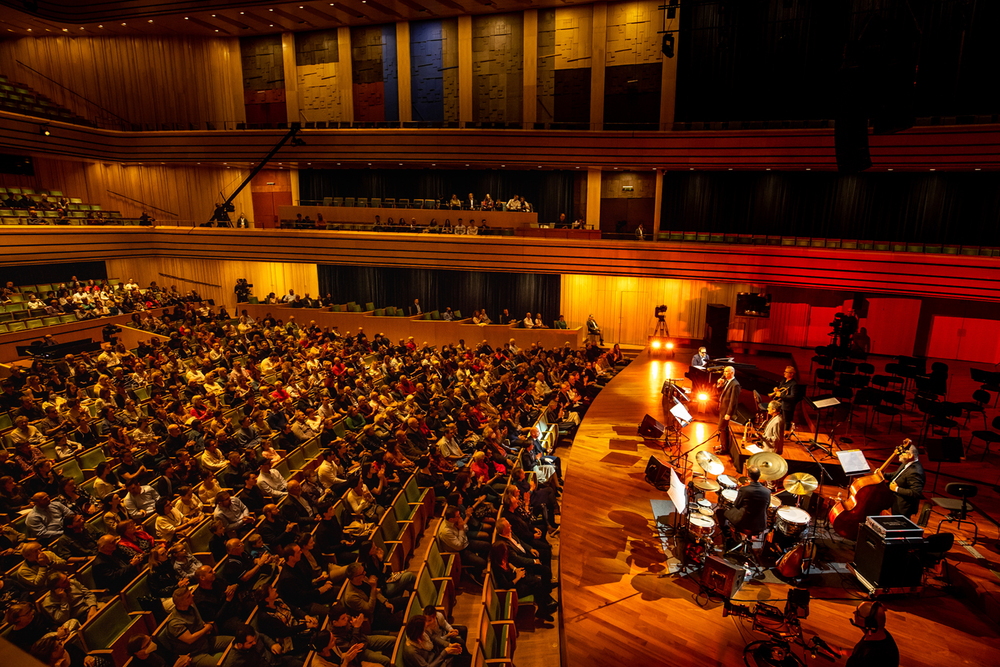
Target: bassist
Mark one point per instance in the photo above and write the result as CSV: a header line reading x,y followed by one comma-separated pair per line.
x,y
907,483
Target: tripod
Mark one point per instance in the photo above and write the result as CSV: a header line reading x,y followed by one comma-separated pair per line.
x,y
661,327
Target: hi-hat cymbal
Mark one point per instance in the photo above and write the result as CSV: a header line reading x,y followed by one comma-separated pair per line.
x,y
800,483
771,465
706,485
710,463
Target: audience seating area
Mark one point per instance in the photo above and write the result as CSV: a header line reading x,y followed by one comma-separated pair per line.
x,y
20,98
16,316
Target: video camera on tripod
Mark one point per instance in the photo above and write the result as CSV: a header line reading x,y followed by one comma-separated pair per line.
x,y
782,627
660,311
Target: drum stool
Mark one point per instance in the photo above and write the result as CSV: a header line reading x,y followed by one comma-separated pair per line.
x,y
750,546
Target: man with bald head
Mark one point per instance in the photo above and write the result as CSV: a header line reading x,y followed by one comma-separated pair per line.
x,y
113,568
45,521
38,564
297,507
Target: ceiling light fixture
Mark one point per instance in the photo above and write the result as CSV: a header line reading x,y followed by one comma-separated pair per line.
x,y
150,20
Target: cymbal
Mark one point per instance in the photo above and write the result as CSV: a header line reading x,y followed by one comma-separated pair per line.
x,y
771,465
706,485
710,463
800,483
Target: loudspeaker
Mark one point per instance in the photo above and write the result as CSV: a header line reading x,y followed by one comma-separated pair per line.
x,y
722,577
860,305
717,331
650,428
886,565
657,472
850,141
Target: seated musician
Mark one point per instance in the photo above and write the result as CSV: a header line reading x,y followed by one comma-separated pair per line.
x,y
749,511
773,433
785,394
700,359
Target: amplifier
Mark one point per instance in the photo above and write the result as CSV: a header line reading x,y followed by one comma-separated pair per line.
x,y
895,528
722,577
885,565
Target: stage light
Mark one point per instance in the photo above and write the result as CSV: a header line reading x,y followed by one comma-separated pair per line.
x,y
702,396
44,130
656,345
670,346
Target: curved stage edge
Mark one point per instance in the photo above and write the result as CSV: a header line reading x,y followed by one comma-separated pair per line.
x,y
617,611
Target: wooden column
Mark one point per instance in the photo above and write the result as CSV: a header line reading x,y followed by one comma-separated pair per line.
x,y
597,62
593,212
345,78
403,71
293,181
465,69
530,92
657,203
235,64
291,76
668,80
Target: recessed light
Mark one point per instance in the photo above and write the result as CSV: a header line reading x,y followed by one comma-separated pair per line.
x,y
225,163
369,164
691,168
100,26
213,16
186,18
198,163
730,169
270,10
216,30
933,169
29,29
272,25
82,28
150,20
241,13
890,168
338,164
65,29
808,169
977,169
400,164
123,24
308,162
577,167
503,165
434,164
466,165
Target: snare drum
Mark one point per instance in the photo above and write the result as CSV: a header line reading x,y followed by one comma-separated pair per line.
x,y
726,482
700,526
772,509
791,521
727,498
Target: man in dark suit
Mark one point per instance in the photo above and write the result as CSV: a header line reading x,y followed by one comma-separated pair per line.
x,y
749,511
729,400
907,483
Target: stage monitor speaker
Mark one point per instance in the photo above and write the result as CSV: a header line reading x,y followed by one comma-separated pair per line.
x,y
722,577
887,565
650,428
850,142
717,331
657,472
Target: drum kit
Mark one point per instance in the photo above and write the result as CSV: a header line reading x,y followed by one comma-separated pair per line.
x,y
787,524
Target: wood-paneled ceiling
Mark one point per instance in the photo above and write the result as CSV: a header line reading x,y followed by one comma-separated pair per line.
x,y
234,18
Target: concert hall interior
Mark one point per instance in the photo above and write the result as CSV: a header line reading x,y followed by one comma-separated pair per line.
x,y
449,333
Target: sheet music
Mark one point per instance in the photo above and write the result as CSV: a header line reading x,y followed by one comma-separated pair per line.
x,y
853,461
681,413
825,403
754,449
677,493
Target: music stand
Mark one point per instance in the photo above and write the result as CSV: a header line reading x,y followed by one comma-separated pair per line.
x,y
943,450
681,419
819,406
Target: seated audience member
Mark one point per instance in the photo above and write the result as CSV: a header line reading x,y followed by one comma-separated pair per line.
x,y
144,652
422,650
454,536
190,635
362,596
255,649
507,576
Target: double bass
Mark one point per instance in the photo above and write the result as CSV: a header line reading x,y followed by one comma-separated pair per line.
x,y
867,496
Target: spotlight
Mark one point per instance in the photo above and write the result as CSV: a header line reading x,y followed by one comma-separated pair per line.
x,y
670,346
45,131
656,345
702,397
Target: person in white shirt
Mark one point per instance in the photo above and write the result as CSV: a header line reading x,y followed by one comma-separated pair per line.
x,y
330,473
460,227
131,284
232,510
270,482
529,323
472,229
514,203
288,298
140,501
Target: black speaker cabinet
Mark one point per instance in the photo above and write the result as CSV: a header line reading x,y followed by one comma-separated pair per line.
x,y
650,428
657,472
722,577
717,332
891,565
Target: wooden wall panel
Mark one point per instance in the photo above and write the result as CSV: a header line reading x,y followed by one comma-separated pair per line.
x,y
182,193
215,280
143,79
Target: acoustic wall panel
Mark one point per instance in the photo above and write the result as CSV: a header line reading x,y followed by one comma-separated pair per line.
x,y
497,67
263,79
373,64
434,70
565,41
319,89
634,63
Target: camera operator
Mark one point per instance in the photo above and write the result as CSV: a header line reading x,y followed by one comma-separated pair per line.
x,y
242,290
109,333
877,647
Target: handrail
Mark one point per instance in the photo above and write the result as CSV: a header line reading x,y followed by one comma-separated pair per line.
x,y
139,201
125,122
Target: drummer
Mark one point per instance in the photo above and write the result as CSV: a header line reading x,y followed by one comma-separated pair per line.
x,y
749,511
773,434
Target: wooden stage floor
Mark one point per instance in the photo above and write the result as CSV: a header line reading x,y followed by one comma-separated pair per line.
x,y
615,608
